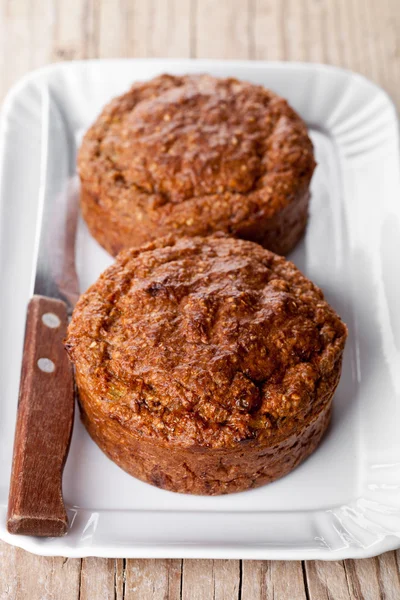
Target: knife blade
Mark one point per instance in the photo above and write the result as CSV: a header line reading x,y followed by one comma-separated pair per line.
x,y
46,395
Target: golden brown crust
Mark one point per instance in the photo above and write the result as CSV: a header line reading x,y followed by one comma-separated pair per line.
x,y
205,351
192,155
205,471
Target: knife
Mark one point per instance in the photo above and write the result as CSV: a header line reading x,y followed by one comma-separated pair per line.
x,y
46,395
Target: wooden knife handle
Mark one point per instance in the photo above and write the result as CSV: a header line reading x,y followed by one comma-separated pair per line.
x,y
44,424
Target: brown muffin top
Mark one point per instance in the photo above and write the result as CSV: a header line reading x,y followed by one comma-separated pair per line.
x,y
196,139
205,342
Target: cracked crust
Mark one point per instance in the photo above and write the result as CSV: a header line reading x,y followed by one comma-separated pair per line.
x,y
192,155
205,365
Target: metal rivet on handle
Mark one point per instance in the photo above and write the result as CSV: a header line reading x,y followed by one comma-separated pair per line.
x,y
51,320
46,365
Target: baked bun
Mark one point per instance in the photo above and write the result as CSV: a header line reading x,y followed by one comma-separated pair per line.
x,y
193,155
205,365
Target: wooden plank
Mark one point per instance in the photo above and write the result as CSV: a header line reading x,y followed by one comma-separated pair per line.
x,y
8,571
24,575
327,580
144,29
266,28
99,579
152,580
211,580
221,29
294,26
317,29
169,28
74,29
373,578
116,21
15,43
367,579
40,34
68,29
388,575
120,578
272,580
280,30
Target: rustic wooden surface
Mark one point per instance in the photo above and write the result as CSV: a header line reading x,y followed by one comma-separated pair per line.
x,y
363,35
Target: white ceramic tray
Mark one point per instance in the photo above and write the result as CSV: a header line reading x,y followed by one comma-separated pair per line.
x,y
344,501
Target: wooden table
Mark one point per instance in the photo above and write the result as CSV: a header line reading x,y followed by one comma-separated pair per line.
x,y
363,35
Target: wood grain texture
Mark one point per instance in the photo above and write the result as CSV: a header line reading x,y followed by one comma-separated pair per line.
x,y
25,576
155,579
327,580
99,579
221,29
362,35
210,579
271,580
44,424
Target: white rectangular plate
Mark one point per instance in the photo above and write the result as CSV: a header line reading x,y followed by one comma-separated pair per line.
x,y
344,501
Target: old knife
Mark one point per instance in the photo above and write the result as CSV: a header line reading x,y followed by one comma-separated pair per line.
x,y
46,396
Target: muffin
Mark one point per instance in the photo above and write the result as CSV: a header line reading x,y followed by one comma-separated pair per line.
x,y
193,155
205,365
